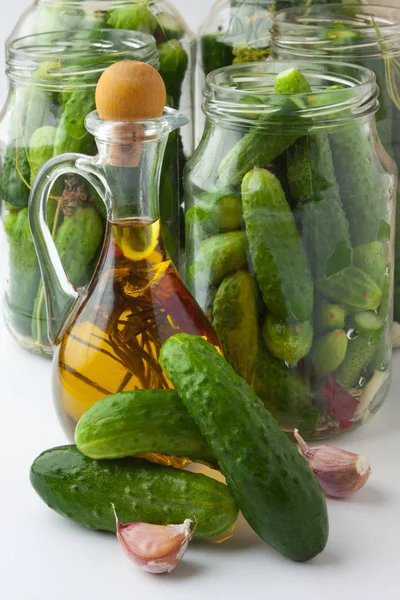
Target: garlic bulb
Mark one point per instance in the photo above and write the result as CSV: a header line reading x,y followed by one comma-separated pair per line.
x,y
340,473
154,548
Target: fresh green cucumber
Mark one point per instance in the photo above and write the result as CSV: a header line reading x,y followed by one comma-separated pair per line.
x,y
314,189
360,351
289,342
328,317
215,52
291,81
366,321
275,247
136,17
284,393
173,66
216,258
258,149
329,351
9,222
352,288
273,485
140,422
214,213
77,241
371,258
170,25
83,489
235,319
24,275
361,185
41,147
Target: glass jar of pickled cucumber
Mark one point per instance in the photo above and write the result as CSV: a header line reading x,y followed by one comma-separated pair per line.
x,y
52,82
290,229
236,31
176,46
368,36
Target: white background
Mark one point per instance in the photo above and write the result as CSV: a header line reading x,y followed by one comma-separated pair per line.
x,y
44,557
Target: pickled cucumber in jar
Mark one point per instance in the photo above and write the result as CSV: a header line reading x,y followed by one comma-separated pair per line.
x,y
291,266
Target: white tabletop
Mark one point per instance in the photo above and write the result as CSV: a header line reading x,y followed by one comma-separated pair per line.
x,y
45,557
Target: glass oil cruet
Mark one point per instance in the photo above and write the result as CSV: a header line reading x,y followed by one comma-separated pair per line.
x,y
107,336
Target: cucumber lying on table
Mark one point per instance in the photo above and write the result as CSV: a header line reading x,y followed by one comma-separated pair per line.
x,y
272,484
83,489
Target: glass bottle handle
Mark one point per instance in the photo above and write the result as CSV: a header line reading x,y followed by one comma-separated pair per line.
x,y
60,294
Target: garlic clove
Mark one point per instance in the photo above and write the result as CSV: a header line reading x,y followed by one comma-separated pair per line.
x,y
340,473
154,548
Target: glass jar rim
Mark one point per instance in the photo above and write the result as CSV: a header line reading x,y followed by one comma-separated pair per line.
x,y
71,59
241,95
296,28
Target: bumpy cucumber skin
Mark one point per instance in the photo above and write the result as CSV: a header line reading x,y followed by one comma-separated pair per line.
x,y
289,342
9,221
77,241
360,352
139,422
328,317
255,149
83,489
235,319
275,247
216,258
363,200
71,135
352,288
214,213
273,486
135,18
371,258
291,81
24,274
329,351
314,189
14,183
284,393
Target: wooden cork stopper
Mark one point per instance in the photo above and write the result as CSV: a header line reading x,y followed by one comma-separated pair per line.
x,y
129,91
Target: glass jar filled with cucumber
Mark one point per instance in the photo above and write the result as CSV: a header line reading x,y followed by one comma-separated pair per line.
x,y
290,229
237,31
176,45
52,87
368,36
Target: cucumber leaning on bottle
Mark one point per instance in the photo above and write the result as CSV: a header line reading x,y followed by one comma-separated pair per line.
x,y
138,422
276,249
272,484
84,490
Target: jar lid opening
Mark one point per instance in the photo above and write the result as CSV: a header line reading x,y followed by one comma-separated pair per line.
x,y
366,30
64,58
242,95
